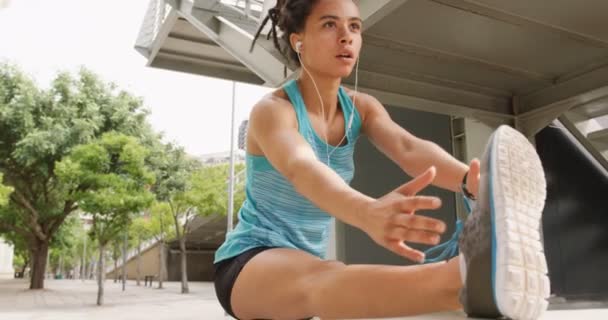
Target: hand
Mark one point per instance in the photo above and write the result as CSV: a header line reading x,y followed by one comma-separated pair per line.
x,y
473,177
391,220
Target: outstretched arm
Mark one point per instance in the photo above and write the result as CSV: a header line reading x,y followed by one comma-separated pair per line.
x,y
412,154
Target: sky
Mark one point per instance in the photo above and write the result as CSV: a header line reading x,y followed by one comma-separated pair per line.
x,y
45,37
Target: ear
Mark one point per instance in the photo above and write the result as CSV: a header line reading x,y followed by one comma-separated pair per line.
x,y
294,38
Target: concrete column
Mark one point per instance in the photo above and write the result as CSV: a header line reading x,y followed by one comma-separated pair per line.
x,y
331,244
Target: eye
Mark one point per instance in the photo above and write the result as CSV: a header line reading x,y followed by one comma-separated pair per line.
x,y
355,26
329,24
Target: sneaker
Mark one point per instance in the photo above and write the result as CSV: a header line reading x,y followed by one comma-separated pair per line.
x,y
502,261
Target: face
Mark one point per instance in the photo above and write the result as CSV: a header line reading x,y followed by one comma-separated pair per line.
x,y
331,40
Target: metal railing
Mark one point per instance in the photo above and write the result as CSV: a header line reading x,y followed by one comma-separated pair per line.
x,y
155,16
133,253
250,8
590,125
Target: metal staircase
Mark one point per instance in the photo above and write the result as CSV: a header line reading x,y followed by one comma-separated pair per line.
x,y
589,124
421,69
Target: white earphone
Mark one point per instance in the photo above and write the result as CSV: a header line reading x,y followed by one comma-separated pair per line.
x,y
352,114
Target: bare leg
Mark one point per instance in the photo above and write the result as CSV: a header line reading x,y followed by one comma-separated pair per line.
x,y
290,284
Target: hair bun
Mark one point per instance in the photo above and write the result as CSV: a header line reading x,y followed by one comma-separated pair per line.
x,y
286,17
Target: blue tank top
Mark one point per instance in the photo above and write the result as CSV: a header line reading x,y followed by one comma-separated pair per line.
x,y
274,214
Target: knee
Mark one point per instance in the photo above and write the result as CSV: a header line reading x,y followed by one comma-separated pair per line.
x,y
324,269
317,284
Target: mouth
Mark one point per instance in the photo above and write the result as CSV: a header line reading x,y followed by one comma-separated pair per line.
x,y
345,56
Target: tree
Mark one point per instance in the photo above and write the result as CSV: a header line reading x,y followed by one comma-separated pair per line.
x,y
89,259
160,225
115,254
38,128
173,187
140,231
117,183
209,189
64,254
205,194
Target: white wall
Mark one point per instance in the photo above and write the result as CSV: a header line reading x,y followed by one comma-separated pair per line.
x,y
477,134
6,260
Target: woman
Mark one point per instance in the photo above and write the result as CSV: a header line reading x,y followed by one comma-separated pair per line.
x,y
299,162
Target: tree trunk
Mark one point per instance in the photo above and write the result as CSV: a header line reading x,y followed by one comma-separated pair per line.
x,y
27,262
182,249
115,270
138,264
91,269
161,265
39,251
100,275
61,267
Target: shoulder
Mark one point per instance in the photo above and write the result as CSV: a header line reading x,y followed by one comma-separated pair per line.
x,y
273,109
366,104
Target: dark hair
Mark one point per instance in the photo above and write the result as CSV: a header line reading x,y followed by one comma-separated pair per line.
x,y
290,17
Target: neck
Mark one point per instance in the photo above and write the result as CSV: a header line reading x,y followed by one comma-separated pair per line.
x,y
328,90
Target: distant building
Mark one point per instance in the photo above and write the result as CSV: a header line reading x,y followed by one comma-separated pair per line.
x,y
222,157
243,135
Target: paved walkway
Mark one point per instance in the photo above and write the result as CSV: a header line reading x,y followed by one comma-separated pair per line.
x,y
74,299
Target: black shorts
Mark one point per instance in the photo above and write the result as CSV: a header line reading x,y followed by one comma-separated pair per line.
x,y
227,271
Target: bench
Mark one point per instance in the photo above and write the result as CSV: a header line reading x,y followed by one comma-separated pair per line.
x,y
148,278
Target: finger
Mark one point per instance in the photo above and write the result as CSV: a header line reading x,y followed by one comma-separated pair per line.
x,y
473,176
418,222
413,235
404,250
420,182
410,204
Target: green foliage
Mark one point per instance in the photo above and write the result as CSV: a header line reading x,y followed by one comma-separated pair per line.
x,y
117,244
161,221
66,246
115,182
38,128
20,249
209,192
84,145
140,230
173,185
173,169
4,193
18,262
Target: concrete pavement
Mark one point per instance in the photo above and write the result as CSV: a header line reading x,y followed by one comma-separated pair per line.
x,y
74,299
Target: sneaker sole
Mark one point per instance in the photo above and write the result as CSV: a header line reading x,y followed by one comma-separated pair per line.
x,y
518,188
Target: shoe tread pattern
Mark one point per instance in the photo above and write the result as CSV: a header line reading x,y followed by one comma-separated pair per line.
x,y
521,283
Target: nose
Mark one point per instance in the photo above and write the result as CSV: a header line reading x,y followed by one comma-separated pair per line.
x,y
345,36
